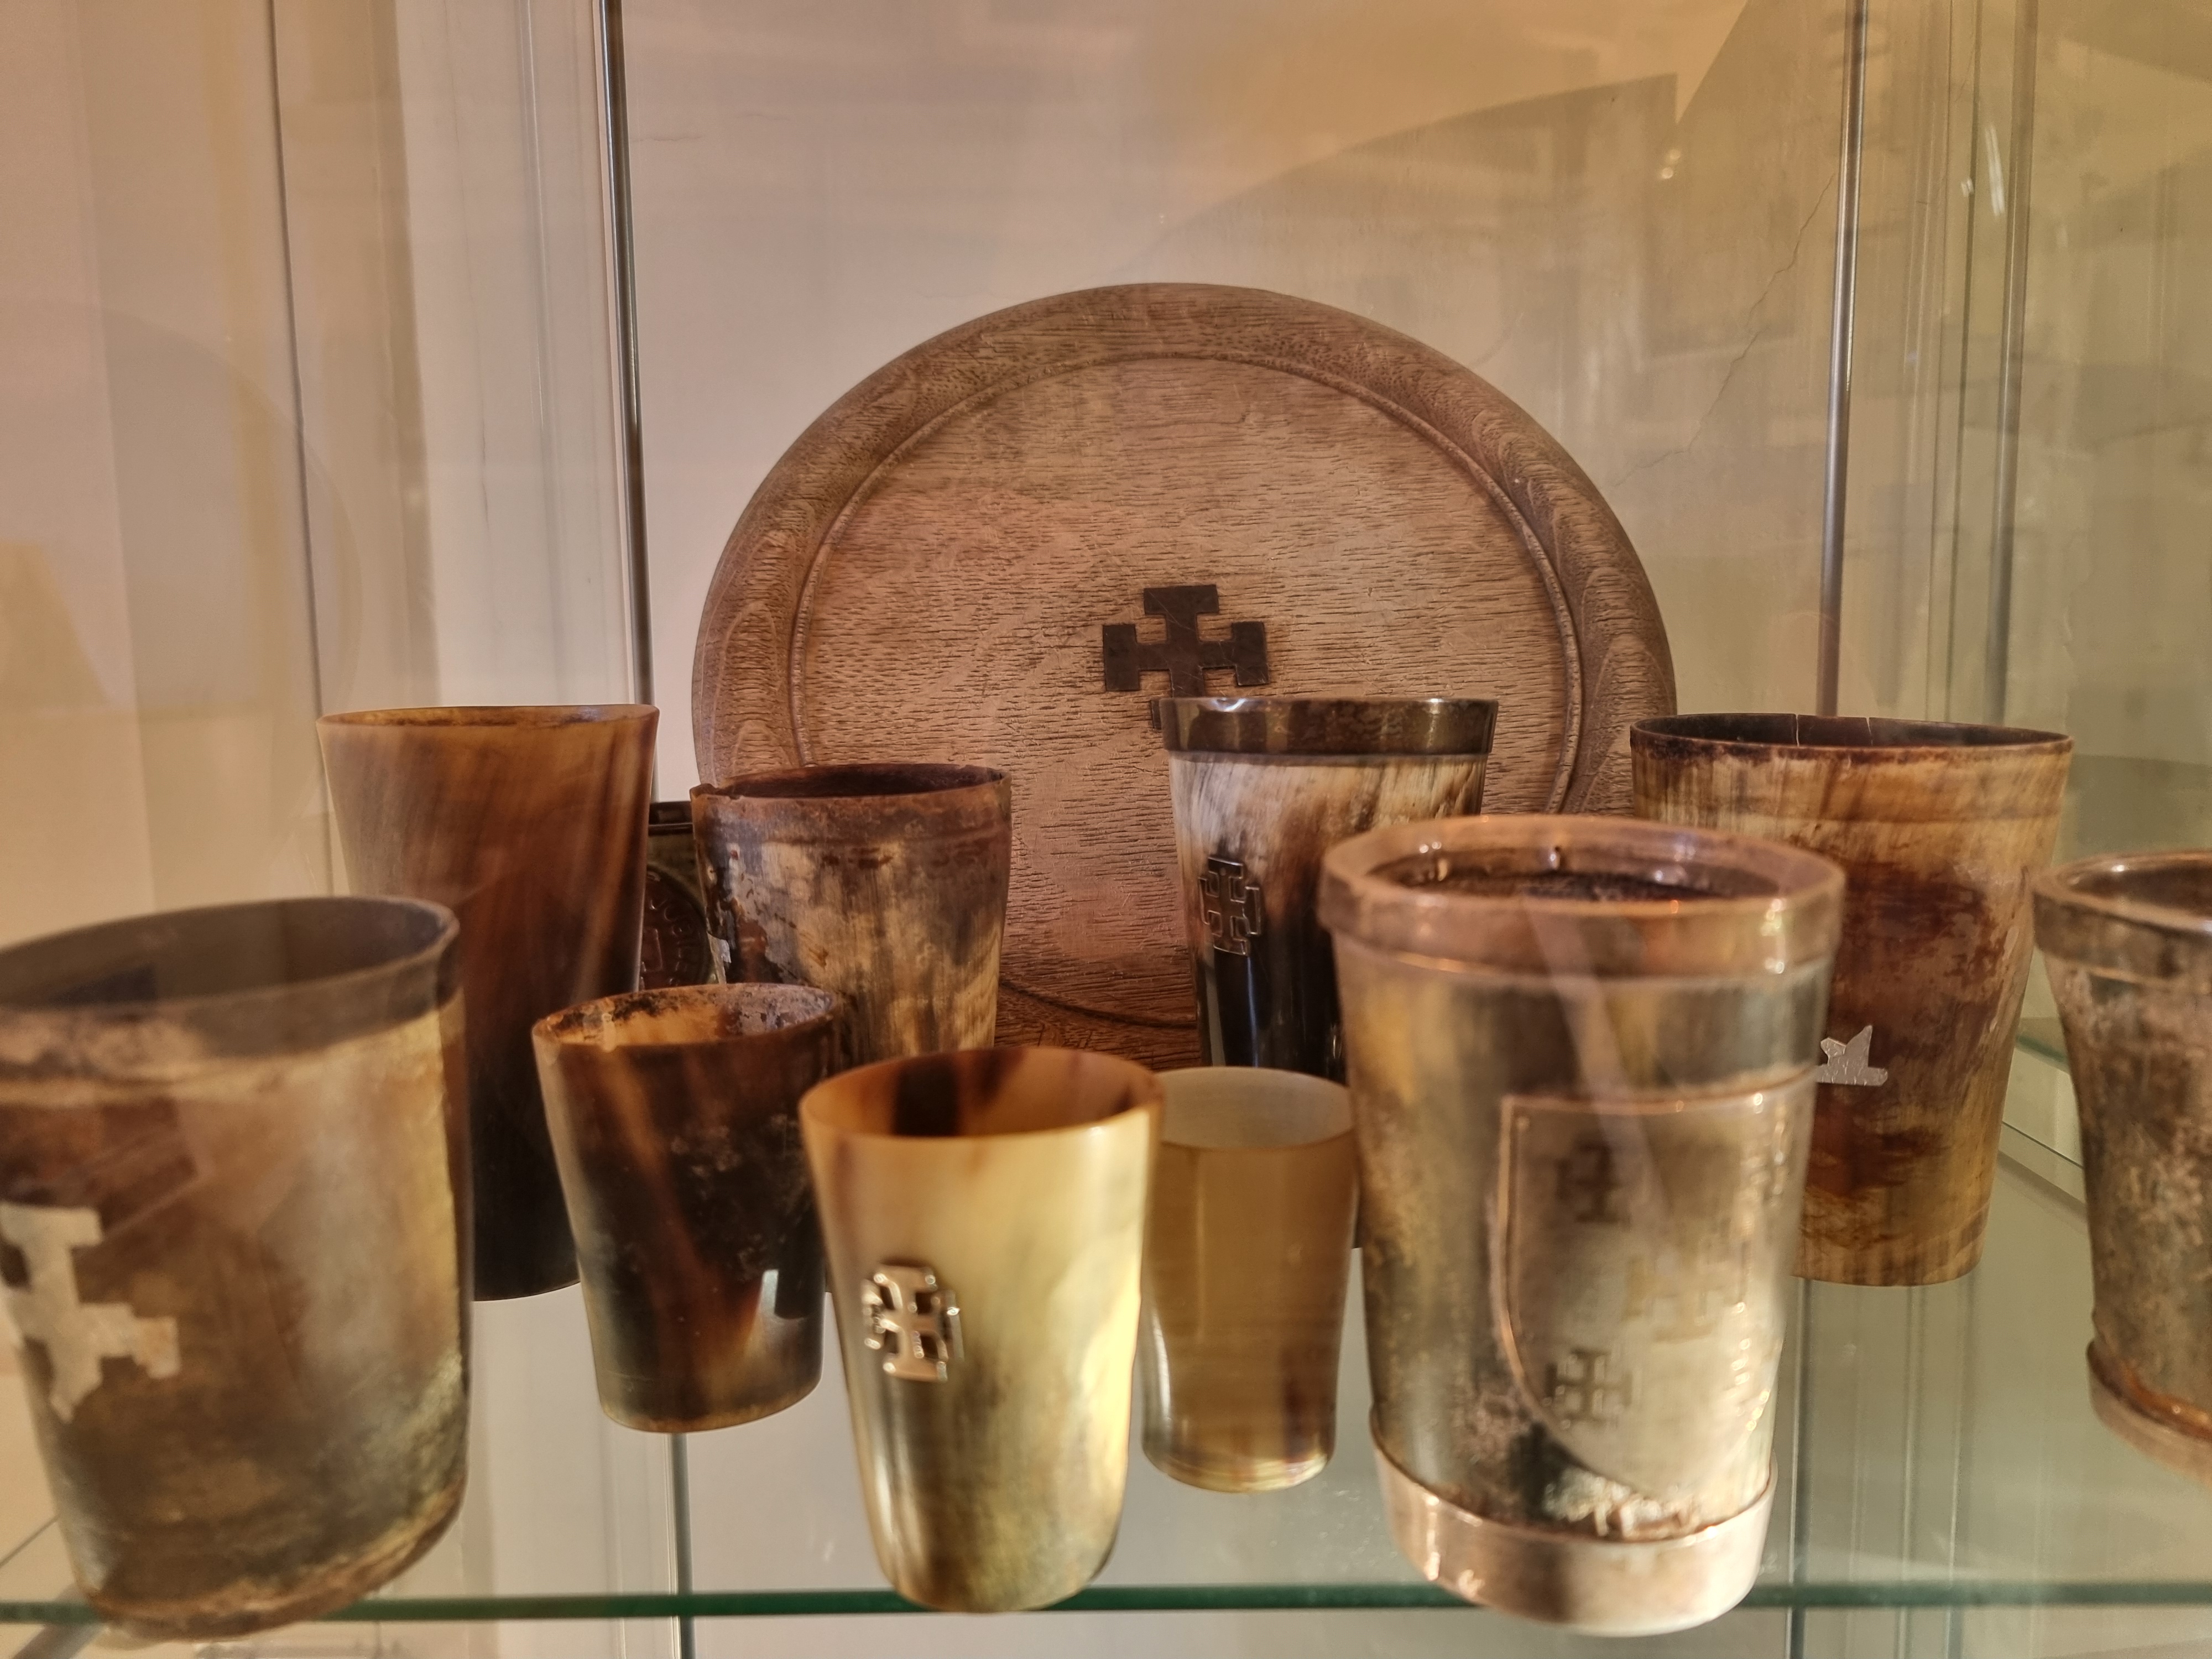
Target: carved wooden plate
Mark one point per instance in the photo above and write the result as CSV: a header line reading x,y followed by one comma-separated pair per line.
x,y
947,564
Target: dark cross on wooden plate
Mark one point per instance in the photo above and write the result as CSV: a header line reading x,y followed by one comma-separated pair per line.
x,y
1185,655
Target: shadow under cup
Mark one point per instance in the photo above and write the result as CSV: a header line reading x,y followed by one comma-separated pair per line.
x,y
1248,1255
233,1155
675,1118
983,1212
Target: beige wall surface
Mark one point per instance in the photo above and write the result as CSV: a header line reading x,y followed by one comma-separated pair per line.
x,y
2112,566
1623,216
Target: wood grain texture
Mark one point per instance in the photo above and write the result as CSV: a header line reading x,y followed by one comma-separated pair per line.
x,y
925,575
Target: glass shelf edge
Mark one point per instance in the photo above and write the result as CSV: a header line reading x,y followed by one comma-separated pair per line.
x,y
1174,1598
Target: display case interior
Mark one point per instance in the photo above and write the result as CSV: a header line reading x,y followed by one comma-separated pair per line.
x,y
402,354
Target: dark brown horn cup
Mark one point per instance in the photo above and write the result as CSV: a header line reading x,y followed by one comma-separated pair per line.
x,y
2128,942
885,883
529,823
677,948
1263,787
233,1214
1940,830
675,1117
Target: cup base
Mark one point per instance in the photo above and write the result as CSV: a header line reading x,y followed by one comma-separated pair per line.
x,y
646,1422
1236,1474
2160,1441
1608,1587
205,1618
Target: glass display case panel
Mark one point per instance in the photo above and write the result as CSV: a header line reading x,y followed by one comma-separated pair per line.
x,y
319,404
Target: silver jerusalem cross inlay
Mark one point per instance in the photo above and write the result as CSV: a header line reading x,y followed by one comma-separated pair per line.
x,y
77,1335
913,1321
1846,1062
1230,903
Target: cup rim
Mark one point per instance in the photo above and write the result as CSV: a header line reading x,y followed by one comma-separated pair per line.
x,y
446,929
1795,921
1831,735
576,1027
494,716
809,1111
2060,885
931,779
1276,1075
1329,726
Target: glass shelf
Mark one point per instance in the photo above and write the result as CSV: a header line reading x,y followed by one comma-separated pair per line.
x,y
1943,1484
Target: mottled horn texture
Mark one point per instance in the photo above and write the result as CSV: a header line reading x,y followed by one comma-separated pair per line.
x,y
1940,830
1248,1255
233,1155
675,1117
1263,786
885,883
984,1217
2128,942
529,824
1577,1051
677,948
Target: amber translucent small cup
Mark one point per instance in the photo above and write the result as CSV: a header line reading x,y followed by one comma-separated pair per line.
x,y
675,1118
1247,1251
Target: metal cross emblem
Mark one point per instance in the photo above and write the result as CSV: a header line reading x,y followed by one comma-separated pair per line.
x,y
1588,1184
1230,903
1588,1387
913,1321
1846,1062
75,1335
1184,655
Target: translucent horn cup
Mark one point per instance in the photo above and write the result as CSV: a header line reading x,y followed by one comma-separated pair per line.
x,y
675,1117
233,1155
1940,830
2127,942
1577,1050
529,824
885,883
1247,1253
984,1217
1263,786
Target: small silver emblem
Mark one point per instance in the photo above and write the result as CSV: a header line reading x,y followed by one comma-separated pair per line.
x,y
77,1335
1846,1062
913,1321
1230,902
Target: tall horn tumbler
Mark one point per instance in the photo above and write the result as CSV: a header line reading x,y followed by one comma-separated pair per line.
x,y
675,1117
2128,942
885,883
1940,830
984,1217
234,1154
1263,786
1576,1050
1247,1253
529,823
